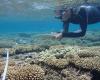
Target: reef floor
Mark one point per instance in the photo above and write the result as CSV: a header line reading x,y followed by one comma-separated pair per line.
x,y
57,62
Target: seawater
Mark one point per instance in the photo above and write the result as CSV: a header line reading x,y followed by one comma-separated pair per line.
x,y
53,25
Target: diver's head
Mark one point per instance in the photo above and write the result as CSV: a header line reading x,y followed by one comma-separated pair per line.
x,y
58,13
63,13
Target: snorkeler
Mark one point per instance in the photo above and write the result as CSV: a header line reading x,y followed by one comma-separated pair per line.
x,y
83,15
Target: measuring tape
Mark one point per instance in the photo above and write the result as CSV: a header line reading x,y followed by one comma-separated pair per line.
x,y
6,66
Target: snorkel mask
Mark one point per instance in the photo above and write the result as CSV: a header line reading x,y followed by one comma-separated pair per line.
x,y
63,13
58,12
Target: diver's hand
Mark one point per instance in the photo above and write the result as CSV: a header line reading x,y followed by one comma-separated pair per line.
x,y
57,36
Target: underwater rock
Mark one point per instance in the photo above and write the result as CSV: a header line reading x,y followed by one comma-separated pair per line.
x,y
26,72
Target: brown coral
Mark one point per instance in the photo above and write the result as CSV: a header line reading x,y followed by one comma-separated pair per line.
x,y
25,72
84,77
88,63
1,67
68,75
29,48
56,63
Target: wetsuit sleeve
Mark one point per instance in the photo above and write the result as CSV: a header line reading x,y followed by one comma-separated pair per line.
x,y
65,27
83,26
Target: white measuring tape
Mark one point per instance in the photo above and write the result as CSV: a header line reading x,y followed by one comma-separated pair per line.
x,y
6,66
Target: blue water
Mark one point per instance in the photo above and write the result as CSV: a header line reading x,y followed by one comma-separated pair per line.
x,y
39,17
53,25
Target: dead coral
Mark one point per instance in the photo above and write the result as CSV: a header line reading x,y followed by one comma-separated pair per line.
x,y
26,72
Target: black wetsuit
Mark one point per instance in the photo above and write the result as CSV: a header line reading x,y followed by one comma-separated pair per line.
x,y
82,15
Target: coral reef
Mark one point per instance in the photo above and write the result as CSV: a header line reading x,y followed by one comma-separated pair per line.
x,y
26,72
29,48
68,75
1,66
81,58
88,63
22,49
56,63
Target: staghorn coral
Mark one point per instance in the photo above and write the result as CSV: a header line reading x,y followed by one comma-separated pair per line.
x,y
25,72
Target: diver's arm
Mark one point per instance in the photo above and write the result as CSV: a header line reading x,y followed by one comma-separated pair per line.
x,y
65,27
76,34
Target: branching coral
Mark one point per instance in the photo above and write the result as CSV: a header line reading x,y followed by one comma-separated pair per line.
x,y
74,75
57,63
26,72
84,77
88,63
68,75
1,67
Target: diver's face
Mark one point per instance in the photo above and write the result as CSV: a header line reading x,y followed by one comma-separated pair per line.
x,y
64,15
58,14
